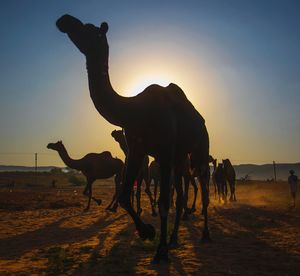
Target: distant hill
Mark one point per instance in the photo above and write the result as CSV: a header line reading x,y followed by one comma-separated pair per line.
x,y
263,172
6,168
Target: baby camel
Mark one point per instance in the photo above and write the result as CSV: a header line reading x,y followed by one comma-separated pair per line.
x,y
93,166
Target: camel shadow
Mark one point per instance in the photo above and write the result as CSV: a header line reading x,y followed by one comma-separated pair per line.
x,y
50,235
240,246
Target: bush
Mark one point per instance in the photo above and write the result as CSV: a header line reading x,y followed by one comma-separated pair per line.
x,y
76,181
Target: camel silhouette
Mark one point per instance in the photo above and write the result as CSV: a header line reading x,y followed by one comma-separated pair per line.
x,y
213,177
160,121
220,178
143,175
94,166
230,177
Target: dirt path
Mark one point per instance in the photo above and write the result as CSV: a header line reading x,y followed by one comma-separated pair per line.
x,y
252,237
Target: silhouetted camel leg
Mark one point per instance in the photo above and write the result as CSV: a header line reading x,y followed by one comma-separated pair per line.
x,y
232,191
216,189
233,188
179,207
225,192
204,182
148,192
163,205
88,192
134,161
186,180
114,203
172,191
138,197
219,189
155,193
193,182
132,196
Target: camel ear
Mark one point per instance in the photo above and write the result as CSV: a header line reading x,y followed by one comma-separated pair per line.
x,y
103,28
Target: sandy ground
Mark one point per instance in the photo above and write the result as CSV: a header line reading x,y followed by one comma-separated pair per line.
x,y
44,231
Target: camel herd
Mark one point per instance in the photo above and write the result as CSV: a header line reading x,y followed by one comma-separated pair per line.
x,y
102,166
160,122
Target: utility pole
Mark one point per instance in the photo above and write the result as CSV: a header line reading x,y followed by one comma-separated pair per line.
x,y
36,160
274,167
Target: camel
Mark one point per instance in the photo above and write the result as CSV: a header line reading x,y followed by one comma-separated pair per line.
x,y
213,178
93,166
230,177
142,174
160,121
220,179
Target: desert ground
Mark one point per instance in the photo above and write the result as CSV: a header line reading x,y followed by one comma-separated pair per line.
x,y
44,231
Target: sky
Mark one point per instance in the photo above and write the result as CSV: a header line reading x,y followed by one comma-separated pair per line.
x,y
237,61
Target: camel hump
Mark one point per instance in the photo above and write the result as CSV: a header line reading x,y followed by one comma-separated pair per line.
x,y
182,104
106,154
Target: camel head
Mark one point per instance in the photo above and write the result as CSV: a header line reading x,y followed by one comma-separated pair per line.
x,y
117,135
226,162
89,39
58,146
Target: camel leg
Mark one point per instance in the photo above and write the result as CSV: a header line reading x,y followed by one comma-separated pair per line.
x,y
132,196
233,190
219,191
138,197
155,192
118,180
134,161
172,193
114,203
164,206
179,207
204,181
193,182
148,192
225,192
186,180
88,192
215,185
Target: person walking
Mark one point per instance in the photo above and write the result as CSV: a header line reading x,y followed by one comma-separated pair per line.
x,y
293,179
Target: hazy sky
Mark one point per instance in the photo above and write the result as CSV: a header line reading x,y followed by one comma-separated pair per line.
x,y
237,61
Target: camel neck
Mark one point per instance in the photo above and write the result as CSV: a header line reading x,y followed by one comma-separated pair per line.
x,y
109,104
71,163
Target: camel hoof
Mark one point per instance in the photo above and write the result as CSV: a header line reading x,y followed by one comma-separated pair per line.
x,y
86,209
161,255
147,232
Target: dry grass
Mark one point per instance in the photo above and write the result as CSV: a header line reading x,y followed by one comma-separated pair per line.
x,y
45,231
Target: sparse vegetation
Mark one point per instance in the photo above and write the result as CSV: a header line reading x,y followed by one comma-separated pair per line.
x,y
76,180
